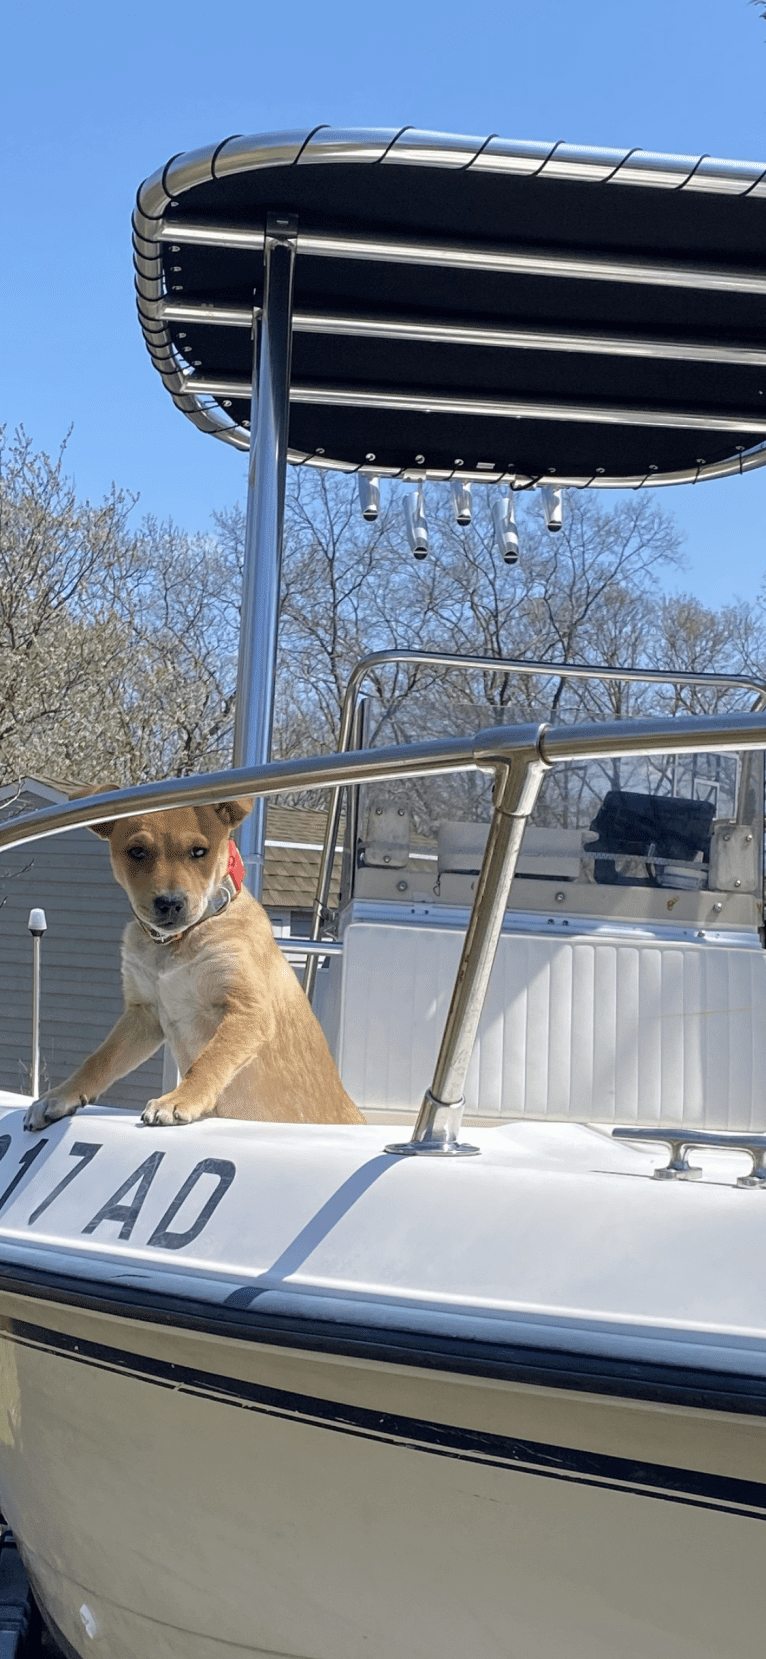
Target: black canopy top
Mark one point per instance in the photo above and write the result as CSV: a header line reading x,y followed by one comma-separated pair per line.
x,y
477,307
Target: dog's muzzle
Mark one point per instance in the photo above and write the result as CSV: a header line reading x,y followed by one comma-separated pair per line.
x,y
216,904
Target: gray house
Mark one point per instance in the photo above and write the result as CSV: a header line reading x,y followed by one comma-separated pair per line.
x,y
69,876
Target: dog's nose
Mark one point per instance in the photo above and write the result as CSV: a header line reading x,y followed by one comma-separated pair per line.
x,y
169,907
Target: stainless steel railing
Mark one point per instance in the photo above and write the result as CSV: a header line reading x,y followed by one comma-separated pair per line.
x,y
517,758
502,665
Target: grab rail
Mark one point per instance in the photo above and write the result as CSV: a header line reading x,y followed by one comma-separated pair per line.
x,y
517,758
502,665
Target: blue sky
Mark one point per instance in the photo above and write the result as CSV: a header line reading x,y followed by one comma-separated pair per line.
x,y
97,96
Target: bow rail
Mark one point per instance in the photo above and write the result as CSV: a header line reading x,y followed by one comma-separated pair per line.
x,y
516,756
488,665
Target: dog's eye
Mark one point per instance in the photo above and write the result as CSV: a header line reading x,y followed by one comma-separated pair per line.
x,y
138,854
199,852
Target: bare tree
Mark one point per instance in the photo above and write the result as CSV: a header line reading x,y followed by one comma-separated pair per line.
x,y
117,645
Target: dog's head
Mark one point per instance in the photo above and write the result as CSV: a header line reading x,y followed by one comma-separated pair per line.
x,y
170,863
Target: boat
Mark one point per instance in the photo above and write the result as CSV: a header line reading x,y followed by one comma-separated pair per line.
x,y
487,1374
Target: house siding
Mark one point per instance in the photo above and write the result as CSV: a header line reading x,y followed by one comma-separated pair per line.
x,y
71,879
81,992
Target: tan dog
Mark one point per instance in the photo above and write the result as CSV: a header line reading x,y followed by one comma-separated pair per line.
x,y
201,971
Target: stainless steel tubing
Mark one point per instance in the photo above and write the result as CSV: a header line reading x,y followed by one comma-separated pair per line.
x,y
312,948
324,879
502,665
517,784
540,670
198,311
413,760
467,334
359,397
521,261
353,803
518,757
487,750
353,397
269,421
688,734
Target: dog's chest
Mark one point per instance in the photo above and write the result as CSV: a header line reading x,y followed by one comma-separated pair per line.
x,y
187,991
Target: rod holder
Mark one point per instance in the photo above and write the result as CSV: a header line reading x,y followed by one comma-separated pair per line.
x,y
553,506
369,496
462,505
416,524
506,531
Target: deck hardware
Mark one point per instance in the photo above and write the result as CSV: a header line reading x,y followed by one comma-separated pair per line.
x,y
678,1167
757,1176
680,1142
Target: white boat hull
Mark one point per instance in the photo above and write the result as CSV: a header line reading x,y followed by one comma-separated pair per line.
x,y
267,1391
180,1496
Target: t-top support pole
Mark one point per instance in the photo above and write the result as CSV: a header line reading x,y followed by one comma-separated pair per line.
x,y
269,421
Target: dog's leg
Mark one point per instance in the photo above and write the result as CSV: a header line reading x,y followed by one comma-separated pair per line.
x,y
241,1033
136,1035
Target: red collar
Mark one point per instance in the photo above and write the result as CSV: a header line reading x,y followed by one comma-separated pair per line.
x,y
235,868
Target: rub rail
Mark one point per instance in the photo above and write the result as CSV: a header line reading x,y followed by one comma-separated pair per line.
x,y
517,757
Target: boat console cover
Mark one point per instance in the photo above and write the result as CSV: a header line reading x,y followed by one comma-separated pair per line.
x,y
477,307
554,1249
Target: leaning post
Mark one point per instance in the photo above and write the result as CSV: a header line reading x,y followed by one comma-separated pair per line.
x,y
269,422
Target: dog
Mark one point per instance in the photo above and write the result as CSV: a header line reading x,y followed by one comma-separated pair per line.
x,y
202,972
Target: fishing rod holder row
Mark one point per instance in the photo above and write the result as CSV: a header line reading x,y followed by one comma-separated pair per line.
x,y
461,492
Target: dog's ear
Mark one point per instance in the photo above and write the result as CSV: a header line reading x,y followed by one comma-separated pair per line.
x,y
232,812
104,830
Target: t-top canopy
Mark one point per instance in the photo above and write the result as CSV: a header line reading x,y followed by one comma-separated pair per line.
x,y
481,307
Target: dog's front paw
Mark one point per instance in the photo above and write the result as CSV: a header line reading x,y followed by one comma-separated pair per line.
x,y
47,1109
172,1109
